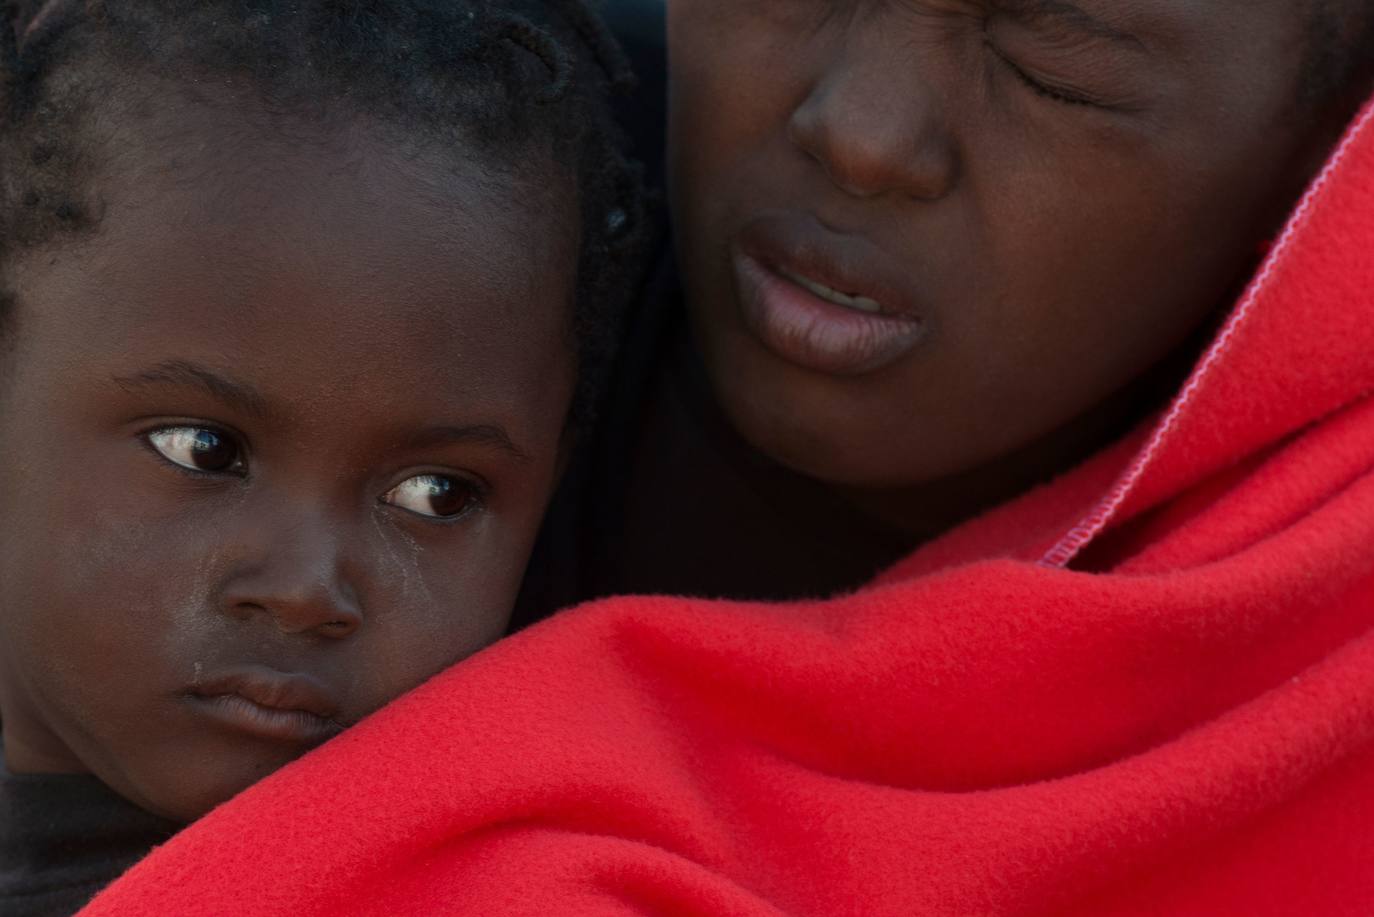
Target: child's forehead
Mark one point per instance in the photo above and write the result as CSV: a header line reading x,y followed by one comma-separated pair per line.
x,y
350,247
288,188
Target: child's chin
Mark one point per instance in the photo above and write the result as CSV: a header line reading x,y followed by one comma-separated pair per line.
x,y
186,793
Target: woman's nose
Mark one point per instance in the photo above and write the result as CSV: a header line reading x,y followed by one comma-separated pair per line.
x,y
874,133
296,579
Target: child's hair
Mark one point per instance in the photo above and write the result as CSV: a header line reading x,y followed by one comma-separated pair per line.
x,y
494,79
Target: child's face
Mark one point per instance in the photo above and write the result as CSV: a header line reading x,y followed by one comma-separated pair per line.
x,y
1035,247
277,442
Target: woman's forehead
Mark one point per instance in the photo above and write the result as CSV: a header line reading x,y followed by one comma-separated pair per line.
x,y
1124,20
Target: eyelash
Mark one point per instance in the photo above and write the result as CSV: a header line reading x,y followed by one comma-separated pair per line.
x,y
197,474
1036,86
479,490
480,493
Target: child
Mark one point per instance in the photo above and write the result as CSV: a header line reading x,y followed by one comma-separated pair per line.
x,y
298,300
942,259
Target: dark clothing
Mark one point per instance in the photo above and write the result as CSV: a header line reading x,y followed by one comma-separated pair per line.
x,y
64,837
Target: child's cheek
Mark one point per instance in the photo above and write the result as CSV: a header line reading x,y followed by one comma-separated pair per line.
x,y
399,565
113,601
433,602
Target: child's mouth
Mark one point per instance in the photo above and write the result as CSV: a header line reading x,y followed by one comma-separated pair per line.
x,y
268,704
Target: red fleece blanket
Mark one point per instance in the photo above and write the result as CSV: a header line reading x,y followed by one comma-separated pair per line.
x,y
1147,688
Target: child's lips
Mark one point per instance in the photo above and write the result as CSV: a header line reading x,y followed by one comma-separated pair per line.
x,y
822,301
268,704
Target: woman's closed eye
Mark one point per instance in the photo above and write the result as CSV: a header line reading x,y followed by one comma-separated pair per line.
x,y
1065,61
435,496
1042,87
205,450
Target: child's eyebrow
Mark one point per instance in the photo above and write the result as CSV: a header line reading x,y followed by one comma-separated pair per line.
x,y
244,396
1068,15
186,373
477,434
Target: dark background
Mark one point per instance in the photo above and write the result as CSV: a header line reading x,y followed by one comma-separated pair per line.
x,y
638,24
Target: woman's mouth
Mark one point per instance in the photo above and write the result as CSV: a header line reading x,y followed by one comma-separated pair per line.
x,y
268,704
812,299
862,303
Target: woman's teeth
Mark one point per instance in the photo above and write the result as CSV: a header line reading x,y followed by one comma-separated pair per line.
x,y
861,303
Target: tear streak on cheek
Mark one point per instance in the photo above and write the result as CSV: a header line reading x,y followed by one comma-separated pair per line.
x,y
407,568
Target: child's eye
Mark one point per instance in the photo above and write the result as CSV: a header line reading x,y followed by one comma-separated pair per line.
x,y
198,449
436,496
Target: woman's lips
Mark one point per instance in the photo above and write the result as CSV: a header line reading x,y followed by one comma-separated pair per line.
x,y
268,704
820,301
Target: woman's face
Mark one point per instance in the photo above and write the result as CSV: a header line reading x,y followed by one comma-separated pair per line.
x,y
916,236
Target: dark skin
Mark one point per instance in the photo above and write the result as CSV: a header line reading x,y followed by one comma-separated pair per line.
x,y
278,440
1040,204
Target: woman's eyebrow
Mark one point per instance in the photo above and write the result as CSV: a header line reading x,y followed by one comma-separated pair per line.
x,y
186,374
1069,15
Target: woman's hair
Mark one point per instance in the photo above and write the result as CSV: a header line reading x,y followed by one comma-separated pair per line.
x,y
504,82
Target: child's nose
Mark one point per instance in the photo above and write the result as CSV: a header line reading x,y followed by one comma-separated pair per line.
x,y
298,582
875,129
